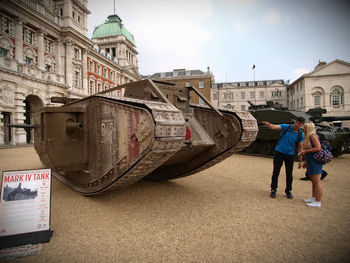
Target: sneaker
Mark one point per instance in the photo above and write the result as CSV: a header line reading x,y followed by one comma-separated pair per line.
x,y
310,200
289,195
273,194
323,174
305,178
314,204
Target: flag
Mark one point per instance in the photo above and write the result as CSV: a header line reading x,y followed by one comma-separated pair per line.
x,y
253,66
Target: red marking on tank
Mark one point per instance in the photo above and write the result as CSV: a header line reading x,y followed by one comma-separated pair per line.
x,y
188,133
134,145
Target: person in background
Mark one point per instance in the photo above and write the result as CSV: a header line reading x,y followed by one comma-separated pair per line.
x,y
284,152
313,167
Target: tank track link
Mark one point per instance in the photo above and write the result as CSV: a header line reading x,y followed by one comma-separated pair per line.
x,y
248,135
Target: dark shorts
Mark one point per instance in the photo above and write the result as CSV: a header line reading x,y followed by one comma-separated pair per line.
x,y
313,166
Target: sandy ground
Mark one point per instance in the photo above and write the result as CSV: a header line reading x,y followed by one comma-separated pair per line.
x,y
223,214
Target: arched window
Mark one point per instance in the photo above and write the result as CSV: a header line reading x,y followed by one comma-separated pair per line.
x,y
337,97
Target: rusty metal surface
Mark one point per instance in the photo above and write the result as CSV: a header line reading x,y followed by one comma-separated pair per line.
x,y
242,135
101,143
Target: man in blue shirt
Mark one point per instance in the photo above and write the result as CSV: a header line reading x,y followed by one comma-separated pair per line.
x,y
284,152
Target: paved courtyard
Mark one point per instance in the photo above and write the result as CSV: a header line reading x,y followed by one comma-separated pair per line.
x,y
222,214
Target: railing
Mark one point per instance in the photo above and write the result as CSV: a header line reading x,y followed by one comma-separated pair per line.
x,y
40,9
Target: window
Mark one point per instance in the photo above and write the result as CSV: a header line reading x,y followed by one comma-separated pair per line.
x,y
188,84
252,95
28,61
243,107
317,100
91,65
260,83
242,95
188,73
98,69
6,23
262,94
242,84
251,84
201,102
49,46
48,68
76,79
28,36
105,72
4,52
61,12
91,86
99,87
335,98
227,95
276,93
76,53
201,84
215,96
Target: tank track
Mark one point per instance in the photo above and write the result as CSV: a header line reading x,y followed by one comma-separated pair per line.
x,y
248,135
169,138
167,118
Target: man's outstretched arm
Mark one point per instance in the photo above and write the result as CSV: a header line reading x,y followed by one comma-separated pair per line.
x,y
271,126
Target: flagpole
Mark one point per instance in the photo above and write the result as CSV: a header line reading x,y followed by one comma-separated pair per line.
x,y
254,84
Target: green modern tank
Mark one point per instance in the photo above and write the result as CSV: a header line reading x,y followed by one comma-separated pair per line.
x,y
266,140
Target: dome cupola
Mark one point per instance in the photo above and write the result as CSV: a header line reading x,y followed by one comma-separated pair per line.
x,y
111,27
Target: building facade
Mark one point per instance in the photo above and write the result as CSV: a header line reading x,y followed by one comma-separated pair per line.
x,y
198,79
235,95
327,86
45,52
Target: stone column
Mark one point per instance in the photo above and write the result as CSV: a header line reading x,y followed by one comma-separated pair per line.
x,y
19,41
69,57
41,50
85,72
19,135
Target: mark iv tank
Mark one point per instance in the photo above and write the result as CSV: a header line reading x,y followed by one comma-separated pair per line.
x,y
100,143
266,140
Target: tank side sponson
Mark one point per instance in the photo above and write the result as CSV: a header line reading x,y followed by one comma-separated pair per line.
x,y
229,133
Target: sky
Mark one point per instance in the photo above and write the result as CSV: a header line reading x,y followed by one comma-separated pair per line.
x,y
283,38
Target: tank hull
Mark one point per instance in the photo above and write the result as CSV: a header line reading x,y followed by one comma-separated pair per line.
x,y
101,143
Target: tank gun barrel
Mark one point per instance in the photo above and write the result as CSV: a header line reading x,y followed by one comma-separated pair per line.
x,y
24,126
252,104
335,118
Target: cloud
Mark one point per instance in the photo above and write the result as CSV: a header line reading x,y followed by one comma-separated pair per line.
x,y
169,34
238,27
298,73
272,16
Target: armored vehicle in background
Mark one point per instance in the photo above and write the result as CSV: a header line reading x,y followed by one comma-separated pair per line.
x,y
100,142
266,140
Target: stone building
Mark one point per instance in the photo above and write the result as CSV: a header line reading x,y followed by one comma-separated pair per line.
x,y
327,86
202,81
45,52
235,95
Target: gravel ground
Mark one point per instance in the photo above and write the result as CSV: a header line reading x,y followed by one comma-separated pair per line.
x,y
222,214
